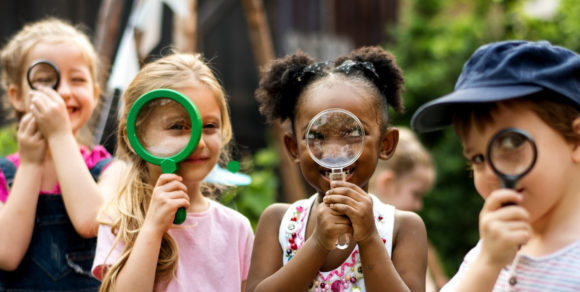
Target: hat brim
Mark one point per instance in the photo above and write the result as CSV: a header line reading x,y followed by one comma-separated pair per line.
x,y
438,113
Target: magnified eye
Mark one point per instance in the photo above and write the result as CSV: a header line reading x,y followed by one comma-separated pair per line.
x,y
181,125
314,135
43,80
356,133
512,141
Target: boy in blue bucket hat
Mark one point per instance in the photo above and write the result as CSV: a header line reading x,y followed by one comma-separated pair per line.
x,y
529,235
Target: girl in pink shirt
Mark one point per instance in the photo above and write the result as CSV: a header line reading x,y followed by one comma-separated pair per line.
x,y
139,248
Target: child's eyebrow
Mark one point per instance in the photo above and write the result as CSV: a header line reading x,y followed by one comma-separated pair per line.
x,y
467,151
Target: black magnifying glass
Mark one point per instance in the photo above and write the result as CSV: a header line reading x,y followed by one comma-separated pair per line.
x,y
511,153
43,73
164,128
335,140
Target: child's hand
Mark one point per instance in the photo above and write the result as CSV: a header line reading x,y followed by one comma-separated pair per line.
x,y
329,226
350,200
168,195
50,111
503,227
31,143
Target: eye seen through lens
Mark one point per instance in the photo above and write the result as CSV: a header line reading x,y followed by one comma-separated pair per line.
x,y
512,154
43,73
163,127
335,138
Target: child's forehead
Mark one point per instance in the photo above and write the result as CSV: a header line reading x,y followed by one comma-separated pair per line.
x,y
339,94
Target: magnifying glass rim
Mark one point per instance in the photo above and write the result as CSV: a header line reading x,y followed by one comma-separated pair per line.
x,y
521,132
196,125
316,118
50,63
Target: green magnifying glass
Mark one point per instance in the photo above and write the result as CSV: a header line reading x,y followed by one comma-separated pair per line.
x,y
164,128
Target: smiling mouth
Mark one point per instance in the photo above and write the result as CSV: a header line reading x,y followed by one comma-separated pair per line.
x,y
327,173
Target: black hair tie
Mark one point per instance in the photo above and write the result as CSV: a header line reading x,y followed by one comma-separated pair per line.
x,y
368,70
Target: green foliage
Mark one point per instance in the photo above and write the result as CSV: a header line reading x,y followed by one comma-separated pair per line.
x,y
433,40
8,144
251,200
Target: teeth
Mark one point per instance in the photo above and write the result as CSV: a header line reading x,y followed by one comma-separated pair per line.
x,y
347,172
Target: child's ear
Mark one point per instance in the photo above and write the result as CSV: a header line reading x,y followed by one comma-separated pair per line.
x,y
291,147
16,99
97,91
576,148
389,142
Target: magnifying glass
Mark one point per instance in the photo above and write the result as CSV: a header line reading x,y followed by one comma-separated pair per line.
x,y
512,154
43,73
164,127
335,140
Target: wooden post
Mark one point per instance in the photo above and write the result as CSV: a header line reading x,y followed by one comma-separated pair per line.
x,y
292,181
107,29
185,29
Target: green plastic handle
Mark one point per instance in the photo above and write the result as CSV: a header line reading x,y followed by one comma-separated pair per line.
x,y
180,216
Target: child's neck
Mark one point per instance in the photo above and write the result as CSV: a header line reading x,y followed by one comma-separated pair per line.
x,y
198,203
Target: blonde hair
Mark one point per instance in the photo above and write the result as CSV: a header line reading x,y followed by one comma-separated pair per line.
x,y
128,208
409,154
14,53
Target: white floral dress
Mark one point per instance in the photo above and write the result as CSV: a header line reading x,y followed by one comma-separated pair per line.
x,y
349,275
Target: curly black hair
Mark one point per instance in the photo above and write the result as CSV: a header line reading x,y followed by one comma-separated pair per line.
x,y
286,78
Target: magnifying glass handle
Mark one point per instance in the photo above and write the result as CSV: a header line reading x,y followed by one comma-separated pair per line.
x,y
344,239
180,216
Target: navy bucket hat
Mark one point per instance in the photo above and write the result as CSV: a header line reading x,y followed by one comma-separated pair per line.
x,y
501,71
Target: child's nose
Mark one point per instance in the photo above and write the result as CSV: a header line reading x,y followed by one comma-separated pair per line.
x,y
64,89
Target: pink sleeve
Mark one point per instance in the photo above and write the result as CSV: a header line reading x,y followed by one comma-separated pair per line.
x,y
248,245
104,256
3,188
97,154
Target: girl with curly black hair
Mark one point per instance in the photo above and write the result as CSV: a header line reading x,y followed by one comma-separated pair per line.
x,y
295,247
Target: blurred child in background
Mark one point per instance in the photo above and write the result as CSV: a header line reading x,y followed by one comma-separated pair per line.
x,y
403,181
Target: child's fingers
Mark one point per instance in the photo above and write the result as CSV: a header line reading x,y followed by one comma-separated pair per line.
x,y
341,187
501,198
166,178
25,123
50,94
178,199
512,213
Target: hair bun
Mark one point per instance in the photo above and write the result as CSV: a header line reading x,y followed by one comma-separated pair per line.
x,y
280,86
389,73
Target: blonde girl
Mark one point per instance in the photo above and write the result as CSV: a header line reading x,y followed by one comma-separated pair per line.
x,y
48,196
138,247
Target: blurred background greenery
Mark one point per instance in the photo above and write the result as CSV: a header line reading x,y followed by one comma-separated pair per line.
x,y
432,40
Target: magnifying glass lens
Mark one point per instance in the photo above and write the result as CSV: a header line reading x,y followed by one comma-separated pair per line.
x,y
512,153
335,139
43,74
163,127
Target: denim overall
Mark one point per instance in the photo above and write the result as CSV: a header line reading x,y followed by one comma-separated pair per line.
x,y
58,259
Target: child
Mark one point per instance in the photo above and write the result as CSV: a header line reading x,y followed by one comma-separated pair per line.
x,y
403,181
138,248
295,244
529,237
405,178
48,196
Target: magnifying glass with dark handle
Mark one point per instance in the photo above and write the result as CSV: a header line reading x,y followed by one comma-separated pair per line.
x,y
335,140
43,73
511,153
164,127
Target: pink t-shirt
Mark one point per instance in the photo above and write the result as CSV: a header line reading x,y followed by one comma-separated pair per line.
x,y
215,249
91,158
